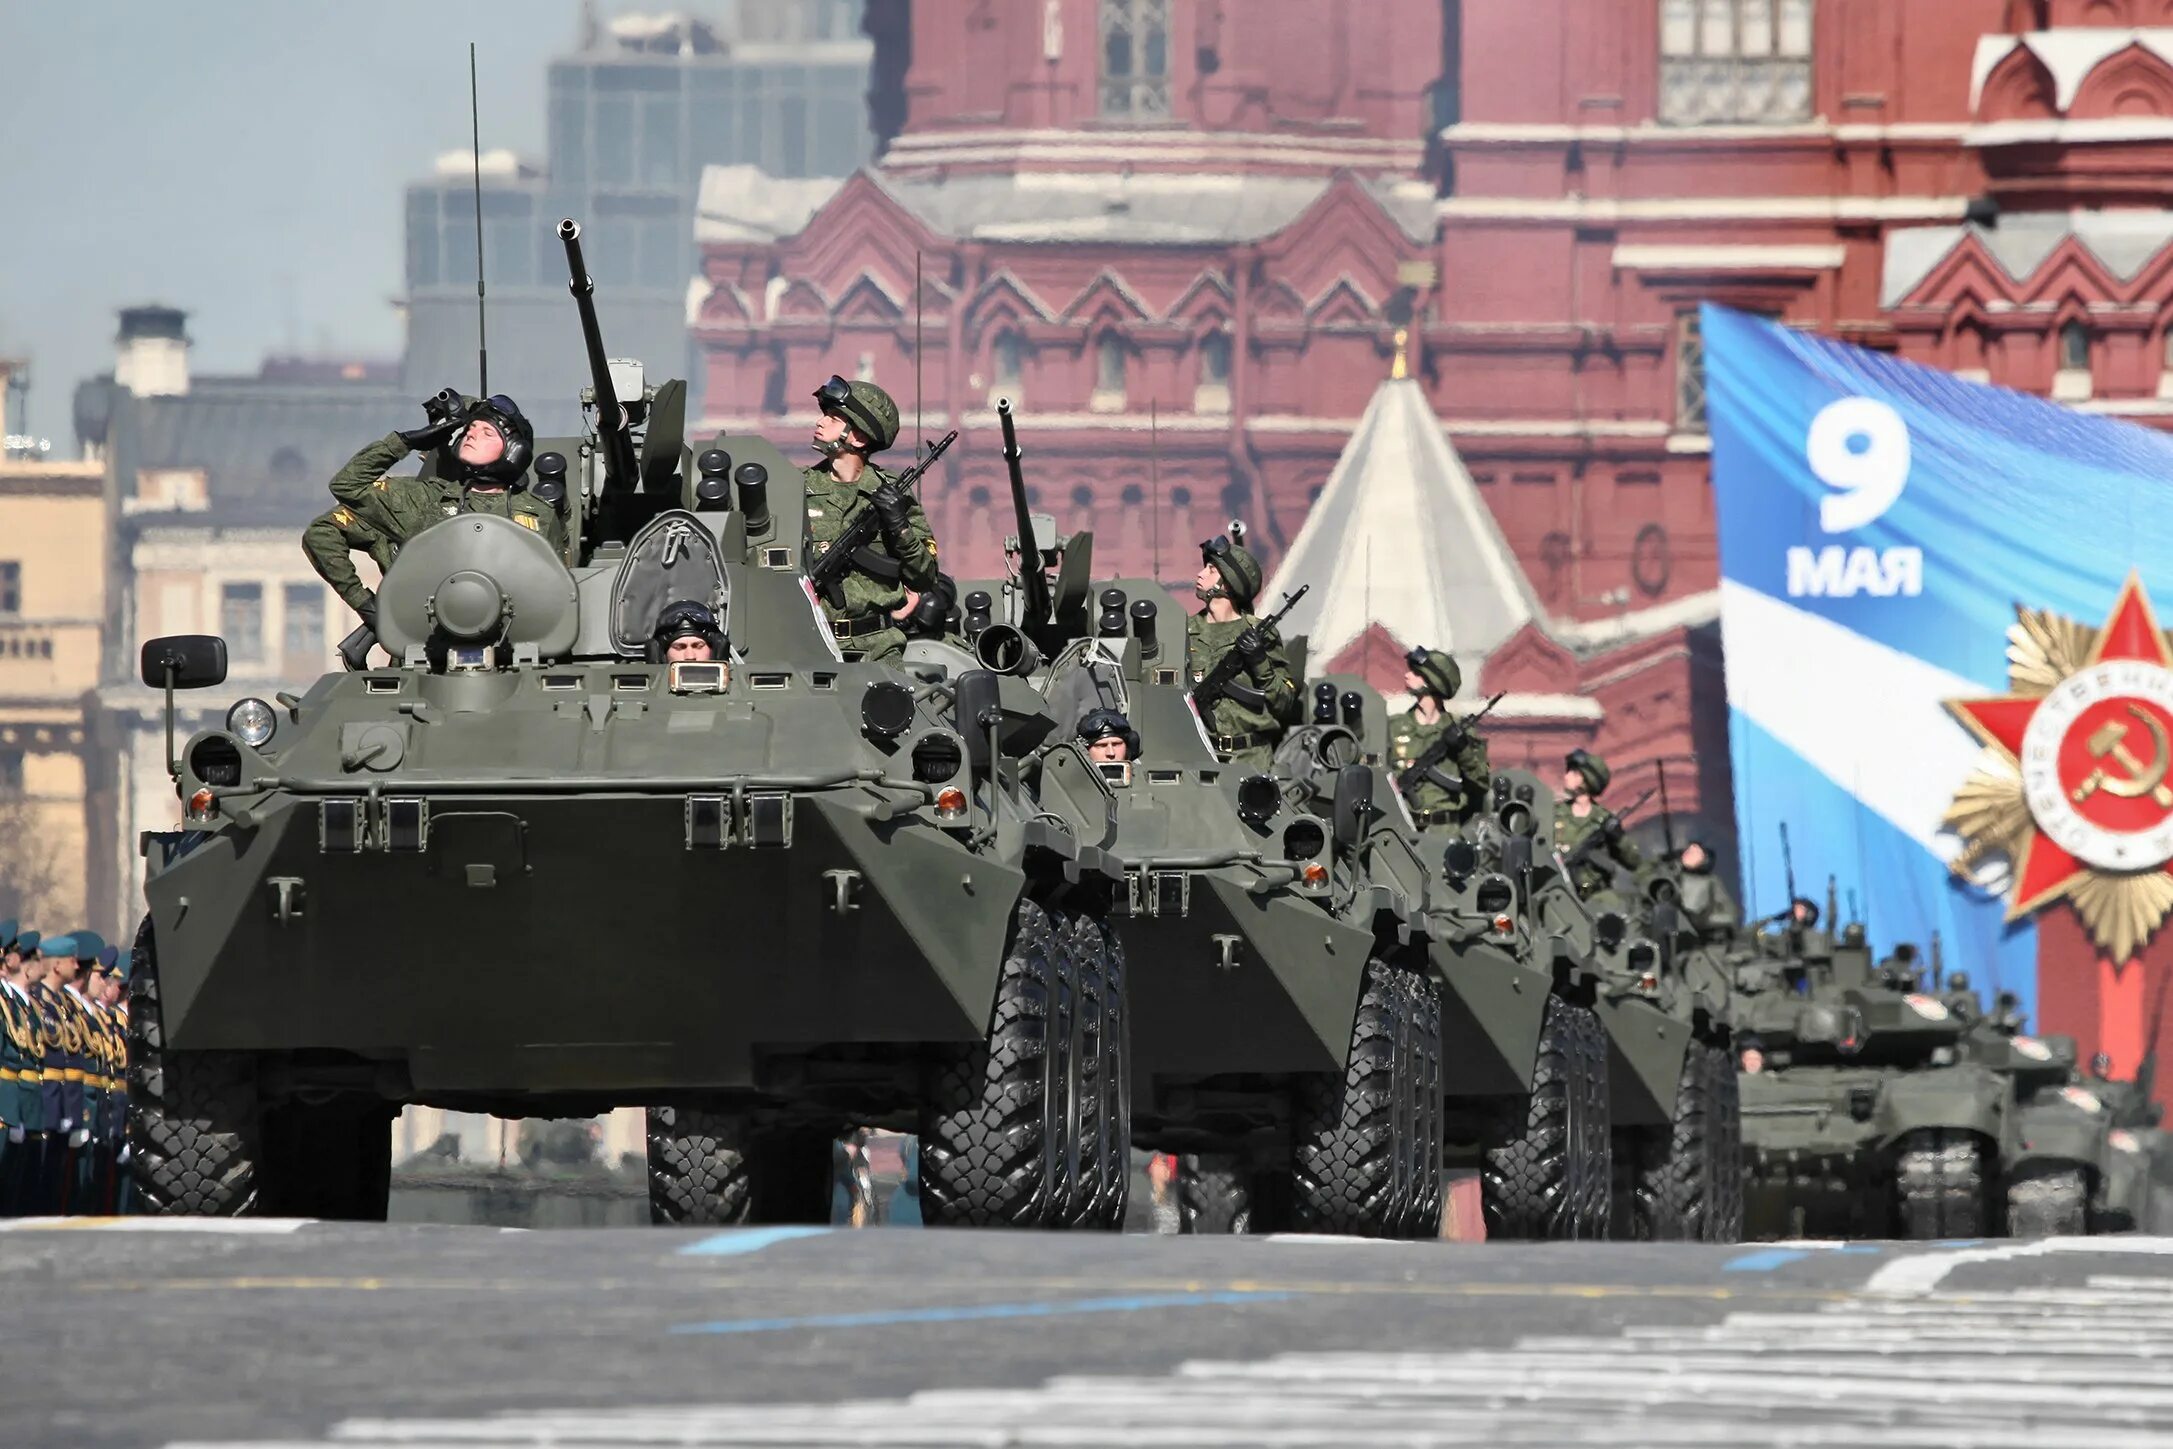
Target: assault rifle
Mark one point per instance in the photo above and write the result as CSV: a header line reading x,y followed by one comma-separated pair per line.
x,y
827,572
1446,743
1208,690
1608,832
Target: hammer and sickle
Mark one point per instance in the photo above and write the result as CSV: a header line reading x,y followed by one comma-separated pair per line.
x,y
2109,741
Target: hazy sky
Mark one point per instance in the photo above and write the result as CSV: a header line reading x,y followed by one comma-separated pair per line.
x,y
242,159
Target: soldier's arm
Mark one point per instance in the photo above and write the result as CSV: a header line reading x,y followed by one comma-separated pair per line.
x,y
1279,684
354,483
1626,853
915,549
330,542
1473,765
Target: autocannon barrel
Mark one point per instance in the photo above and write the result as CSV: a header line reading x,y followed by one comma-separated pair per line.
x,y
613,428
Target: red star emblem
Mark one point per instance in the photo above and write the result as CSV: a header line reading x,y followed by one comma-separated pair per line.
x,y
2095,753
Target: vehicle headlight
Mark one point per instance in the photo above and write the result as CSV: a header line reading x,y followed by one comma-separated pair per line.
x,y
252,722
2077,1097
2032,1048
2125,1141
1931,1008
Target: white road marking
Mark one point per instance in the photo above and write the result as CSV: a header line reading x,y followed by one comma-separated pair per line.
x,y
239,1227
1922,1272
1975,1367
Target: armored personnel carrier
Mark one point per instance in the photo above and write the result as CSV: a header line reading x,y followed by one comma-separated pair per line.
x,y
834,892
1285,1032
2056,1156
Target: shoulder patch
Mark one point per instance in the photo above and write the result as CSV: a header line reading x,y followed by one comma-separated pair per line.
x,y
931,548
528,521
379,485
342,516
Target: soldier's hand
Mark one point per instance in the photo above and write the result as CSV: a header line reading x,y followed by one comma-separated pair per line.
x,y
368,610
890,503
424,438
1252,647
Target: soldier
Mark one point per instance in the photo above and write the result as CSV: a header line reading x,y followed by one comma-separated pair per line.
x,y
858,421
86,1174
14,1052
495,445
1109,737
1579,814
1706,901
1750,1053
1443,796
687,632
60,1097
25,1044
1899,971
117,963
1246,719
931,613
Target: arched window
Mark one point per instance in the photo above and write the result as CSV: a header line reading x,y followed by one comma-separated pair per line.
x,y
1212,393
1109,363
2074,346
1135,59
2071,381
1010,359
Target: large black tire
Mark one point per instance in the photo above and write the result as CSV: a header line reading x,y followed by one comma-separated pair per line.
x,y
1428,1113
1102,1035
1724,1139
718,1169
1537,1184
330,1160
1939,1185
2048,1202
1356,1152
999,1121
194,1128
1670,1173
1214,1194
1594,1131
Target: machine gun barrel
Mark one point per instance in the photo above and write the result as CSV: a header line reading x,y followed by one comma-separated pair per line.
x,y
614,430
1033,583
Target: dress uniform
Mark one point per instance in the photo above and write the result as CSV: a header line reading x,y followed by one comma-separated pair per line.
x,y
87,1170
1246,720
1434,676
1591,874
118,963
16,1047
60,1101
901,556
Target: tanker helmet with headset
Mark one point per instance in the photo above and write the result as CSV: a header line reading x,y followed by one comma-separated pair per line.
x,y
519,435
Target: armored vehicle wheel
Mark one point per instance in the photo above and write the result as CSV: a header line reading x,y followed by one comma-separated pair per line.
x,y
1939,1185
329,1160
1724,1213
1214,1194
1672,1173
1356,1151
718,1169
1428,1113
193,1122
1595,1134
2048,1203
1000,1121
1533,1185
1101,1033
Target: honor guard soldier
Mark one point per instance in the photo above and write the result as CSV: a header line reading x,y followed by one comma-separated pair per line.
x,y
25,1033
1579,814
19,1049
858,421
1247,718
1453,783
117,963
491,446
60,1096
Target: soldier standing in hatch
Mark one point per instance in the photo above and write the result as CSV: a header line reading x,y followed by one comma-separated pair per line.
x,y
1109,737
1433,678
1579,814
494,447
1707,901
858,421
1246,721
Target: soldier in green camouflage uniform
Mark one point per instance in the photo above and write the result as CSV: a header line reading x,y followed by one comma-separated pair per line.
x,y
1452,789
1578,814
1247,720
377,513
1707,902
859,420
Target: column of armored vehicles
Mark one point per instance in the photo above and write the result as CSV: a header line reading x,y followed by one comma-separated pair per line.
x,y
532,869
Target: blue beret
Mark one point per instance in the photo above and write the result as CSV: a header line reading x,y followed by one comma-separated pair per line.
x,y
87,945
57,947
8,928
27,942
110,958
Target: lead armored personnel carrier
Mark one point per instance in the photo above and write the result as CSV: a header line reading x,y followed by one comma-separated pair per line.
x,y
834,892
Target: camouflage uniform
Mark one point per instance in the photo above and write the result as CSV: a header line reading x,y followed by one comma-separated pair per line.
x,y
1710,906
400,508
1409,737
331,540
1591,874
864,625
1243,734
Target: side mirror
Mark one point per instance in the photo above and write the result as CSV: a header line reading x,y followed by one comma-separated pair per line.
x,y
1353,804
196,661
976,703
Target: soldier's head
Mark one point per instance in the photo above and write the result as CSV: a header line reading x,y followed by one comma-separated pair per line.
x,y
58,952
2101,1066
1852,934
687,632
495,447
106,975
1750,1053
1584,775
1957,981
9,929
1108,736
29,965
117,976
1227,571
1803,911
1432,672
857,417
1696,859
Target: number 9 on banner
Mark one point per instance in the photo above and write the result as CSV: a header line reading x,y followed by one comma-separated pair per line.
x,y
1859,447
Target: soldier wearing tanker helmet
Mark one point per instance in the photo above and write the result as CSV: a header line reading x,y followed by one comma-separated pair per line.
x,y
1451,790
858,421
483,450
1246,721
687,631
1109,737
1579,813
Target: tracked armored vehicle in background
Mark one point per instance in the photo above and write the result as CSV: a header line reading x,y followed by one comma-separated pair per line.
x,y
836,892
1285,1032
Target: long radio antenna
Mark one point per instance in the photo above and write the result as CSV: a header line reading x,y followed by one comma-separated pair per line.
x,y
475,152
1154,480
920,437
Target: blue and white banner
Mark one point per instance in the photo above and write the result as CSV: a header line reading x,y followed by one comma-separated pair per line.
x,y
1879,525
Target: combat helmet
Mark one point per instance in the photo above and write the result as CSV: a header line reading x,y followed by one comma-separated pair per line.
x,y
1239,569
864,405
504,414
1593,768
1439,669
